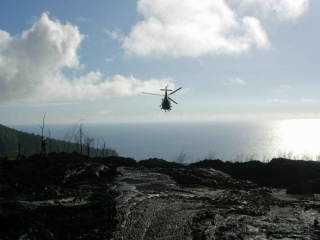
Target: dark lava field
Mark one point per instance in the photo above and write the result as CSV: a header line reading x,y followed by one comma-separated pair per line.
x,y
69,196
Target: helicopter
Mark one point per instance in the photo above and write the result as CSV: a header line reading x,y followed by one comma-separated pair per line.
x,y
166,101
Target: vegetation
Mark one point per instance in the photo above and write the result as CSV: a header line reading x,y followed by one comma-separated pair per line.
x,y
13,142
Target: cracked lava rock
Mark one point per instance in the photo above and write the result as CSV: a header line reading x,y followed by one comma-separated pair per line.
x,y
69,196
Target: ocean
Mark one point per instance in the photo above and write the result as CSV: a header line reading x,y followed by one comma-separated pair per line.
x,y
189,142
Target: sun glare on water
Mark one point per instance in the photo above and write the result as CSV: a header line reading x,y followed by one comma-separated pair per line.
x,y
299,137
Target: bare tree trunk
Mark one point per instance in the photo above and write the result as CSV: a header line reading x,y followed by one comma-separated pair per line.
x,y
43,147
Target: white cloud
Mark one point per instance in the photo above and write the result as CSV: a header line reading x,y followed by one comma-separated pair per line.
x,y
32,65
104,112
193,28
277,100
282,9
282,89
115,34
309,100
235,82
285,86
95,85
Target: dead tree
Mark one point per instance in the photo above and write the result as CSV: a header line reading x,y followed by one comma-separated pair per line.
x,y
19,155
48,142
80,139
104,149
43,147
89,142
97,148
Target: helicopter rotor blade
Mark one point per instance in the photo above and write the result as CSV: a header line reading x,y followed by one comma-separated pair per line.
x,y
173,100
154,94
175,90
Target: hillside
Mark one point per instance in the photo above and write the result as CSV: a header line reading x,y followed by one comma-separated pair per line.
x,y
70,196
30,144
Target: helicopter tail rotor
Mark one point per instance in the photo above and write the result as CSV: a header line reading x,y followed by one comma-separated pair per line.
x,y
166,89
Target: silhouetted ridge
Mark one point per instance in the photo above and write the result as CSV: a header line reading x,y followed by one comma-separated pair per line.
x,y
159,163
117,161
10,139
279,172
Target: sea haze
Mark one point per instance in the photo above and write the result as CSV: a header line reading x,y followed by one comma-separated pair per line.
x,y
232,140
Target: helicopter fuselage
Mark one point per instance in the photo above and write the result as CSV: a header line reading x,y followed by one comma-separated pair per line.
x,y
166,105
166,100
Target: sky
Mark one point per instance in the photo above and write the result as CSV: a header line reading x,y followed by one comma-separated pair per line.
x,y
90,60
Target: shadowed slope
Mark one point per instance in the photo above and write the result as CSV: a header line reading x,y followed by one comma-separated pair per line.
x,y
30,144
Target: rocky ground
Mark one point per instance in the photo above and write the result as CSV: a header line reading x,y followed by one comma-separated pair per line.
x,y
59,197
72,197
153,206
